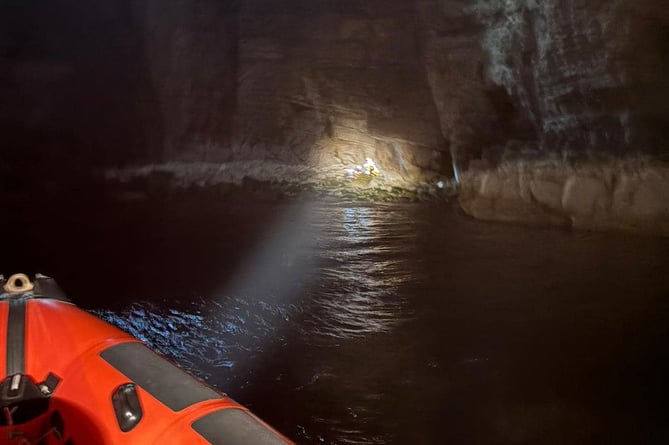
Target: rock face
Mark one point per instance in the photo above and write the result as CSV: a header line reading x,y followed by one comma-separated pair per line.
x,y
629,197
336,82
474,112
189,49
413,84
579,70
552,76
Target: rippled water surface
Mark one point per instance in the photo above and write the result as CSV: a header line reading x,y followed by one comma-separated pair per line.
x,y
350,323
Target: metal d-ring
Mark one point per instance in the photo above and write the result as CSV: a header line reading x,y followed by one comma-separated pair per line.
x,y
18,282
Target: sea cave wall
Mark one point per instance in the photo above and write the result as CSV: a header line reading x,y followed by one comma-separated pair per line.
x,y
428,89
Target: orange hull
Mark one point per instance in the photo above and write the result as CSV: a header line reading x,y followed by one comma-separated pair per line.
x,y
70,378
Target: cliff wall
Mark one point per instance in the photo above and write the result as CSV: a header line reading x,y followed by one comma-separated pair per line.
x,y
419,86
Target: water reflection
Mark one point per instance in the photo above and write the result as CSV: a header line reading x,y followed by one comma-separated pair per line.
x,y
358,293
207,336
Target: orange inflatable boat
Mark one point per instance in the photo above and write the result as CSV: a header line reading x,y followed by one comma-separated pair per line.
x,y
73,379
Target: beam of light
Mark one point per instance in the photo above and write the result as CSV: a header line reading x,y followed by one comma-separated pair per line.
x,y
456,172
233,325
269,286
279,265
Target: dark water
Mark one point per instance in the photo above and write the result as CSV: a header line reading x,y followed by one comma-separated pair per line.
x,y
349,323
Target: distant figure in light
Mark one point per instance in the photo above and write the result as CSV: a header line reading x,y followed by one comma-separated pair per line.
x,y
370,168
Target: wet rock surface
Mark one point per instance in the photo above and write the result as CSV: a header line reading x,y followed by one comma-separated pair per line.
x,y
280,180
629,197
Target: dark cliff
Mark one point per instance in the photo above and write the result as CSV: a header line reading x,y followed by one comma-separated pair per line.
x,y
327,83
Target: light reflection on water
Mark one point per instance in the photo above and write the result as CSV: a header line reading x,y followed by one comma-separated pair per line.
x,y
358,293
206,337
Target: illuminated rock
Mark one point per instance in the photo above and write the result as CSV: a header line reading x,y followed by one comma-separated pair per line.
x,y
330,84
625,197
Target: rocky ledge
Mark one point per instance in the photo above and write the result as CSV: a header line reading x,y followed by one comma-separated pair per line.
x,y
630,196
620,196
277,177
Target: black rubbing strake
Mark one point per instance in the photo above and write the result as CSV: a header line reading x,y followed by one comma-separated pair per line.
x,y
164,381
234,427
16,336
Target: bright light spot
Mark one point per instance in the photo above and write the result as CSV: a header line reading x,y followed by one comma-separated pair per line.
x,y
369,168
440,184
